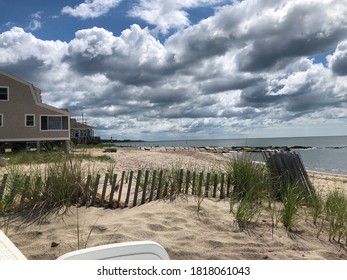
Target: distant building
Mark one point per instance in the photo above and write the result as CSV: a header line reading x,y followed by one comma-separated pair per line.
x,y
82,133
25,120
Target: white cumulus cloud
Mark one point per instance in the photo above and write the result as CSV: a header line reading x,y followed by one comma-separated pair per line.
x,y
167,14
91,8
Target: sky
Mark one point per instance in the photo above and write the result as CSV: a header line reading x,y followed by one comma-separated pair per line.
x,y
194,69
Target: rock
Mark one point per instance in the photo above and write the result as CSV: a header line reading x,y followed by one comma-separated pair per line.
x,y
54,244
110,150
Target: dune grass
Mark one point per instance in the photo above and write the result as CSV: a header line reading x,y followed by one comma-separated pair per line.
x,y
253,190
57,185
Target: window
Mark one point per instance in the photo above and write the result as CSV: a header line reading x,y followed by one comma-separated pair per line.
x,y
1,117
3,93
29,120
54,123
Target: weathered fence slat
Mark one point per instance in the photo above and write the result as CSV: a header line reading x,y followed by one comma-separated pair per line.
x,y
138,181
154,175
187,182
304,174
207,188
3,184
121,188
86,190
113,189
180,182
95,189
165,192
222,195
201,178
14,187
215,183
103,194
160,184
194,183
129,188
228,185
144,190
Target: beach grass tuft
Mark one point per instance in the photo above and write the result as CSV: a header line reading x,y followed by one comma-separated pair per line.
x,y
292,200
336,215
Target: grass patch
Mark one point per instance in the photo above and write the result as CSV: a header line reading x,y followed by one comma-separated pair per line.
x,y
26,157
292,199
336,215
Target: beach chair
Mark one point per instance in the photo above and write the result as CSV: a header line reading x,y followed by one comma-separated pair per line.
x,y
137,250
9,251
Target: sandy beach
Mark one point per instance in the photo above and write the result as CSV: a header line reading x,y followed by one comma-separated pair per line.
x,y
211,233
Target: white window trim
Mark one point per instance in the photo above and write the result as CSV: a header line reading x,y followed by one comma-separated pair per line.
x,y
2,120
50,130
8,93
25,120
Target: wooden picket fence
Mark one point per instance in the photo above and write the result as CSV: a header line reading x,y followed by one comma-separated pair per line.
x,y
129,188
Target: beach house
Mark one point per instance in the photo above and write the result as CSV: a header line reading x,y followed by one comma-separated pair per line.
x,y
26,121
81,133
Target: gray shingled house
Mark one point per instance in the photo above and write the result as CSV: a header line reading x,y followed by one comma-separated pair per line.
x,y
25,120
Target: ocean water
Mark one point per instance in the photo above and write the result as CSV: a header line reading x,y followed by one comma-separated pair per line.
x,y
328,154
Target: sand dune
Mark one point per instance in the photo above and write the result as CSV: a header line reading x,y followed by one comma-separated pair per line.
x,y
211,233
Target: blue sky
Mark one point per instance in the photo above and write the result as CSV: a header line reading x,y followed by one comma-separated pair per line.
x,y
170,69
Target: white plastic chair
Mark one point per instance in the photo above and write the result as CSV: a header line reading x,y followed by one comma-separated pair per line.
x,y
137,250
9,251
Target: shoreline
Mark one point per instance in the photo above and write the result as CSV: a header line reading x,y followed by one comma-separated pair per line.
x,y
222,151
140,158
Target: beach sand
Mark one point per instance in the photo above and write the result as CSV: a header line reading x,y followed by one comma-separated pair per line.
x,y
211,233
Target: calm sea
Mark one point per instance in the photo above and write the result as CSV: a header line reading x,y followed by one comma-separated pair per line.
x,y
328,153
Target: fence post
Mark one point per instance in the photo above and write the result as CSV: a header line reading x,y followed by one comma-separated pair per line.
x,y
199,192
187,181
180,182
144,190
193,184
207,184
214,194
86,190
121,188
113,189
139,173
222,195
153,185
3,184
102,200
95,190
14,189
228,185
160,184
129,188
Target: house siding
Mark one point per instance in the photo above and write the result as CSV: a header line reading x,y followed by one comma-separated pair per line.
x,y
24,100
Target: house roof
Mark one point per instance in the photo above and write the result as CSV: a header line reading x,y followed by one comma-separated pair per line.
x,y
36,93
74,124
